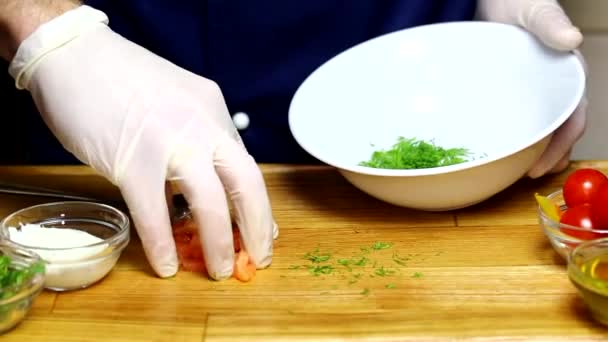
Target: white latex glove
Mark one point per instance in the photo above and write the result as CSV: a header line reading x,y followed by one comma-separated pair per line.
x,y
545,19
138,119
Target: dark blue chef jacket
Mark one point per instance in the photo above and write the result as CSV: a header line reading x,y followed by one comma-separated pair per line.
x,y
257,51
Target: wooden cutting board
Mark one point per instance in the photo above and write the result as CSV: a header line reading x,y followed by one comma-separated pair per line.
x,y
485,272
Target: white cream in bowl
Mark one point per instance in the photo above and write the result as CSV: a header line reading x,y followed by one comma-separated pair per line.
x,y
75,258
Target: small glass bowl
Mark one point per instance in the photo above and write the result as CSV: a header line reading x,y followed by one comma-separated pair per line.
x,y
588,272
14,308
74,267
564,238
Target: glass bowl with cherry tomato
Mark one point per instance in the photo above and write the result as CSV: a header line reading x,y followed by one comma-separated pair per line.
x,y
577,212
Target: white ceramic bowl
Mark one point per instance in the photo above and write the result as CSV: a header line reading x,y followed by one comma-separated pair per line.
x,y
491,88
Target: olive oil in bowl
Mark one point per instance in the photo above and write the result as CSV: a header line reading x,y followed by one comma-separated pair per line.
x,y
588,271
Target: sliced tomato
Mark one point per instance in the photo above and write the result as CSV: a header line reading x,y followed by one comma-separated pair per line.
x,y
190,253
244,270
193,265
599,207
580,217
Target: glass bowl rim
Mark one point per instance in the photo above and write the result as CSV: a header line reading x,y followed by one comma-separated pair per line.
x,y
121,235
35,284
544,216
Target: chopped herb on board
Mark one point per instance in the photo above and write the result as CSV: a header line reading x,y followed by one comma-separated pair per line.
x,y
359,266
383,272
413,153
318,270
316,256
381,245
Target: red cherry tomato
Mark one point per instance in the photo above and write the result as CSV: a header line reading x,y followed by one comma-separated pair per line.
x,y
581,185
580,217
599,207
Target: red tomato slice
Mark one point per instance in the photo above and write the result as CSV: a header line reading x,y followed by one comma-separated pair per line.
x,y
190,254
581,185
599,207
579,216
193,265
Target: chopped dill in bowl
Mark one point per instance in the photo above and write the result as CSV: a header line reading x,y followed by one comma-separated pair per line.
x,y
13,279
414,153
21,279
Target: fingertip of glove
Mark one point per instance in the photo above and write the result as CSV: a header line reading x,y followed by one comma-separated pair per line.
x,y
167,270
566,39
572,38
220,276
534,174
537,170
264,262
221,269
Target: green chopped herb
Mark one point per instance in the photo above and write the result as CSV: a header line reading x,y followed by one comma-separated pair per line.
x,y
383,272
417,275
365,292
413,153
364,250
294,267
390,286
381,245
316,257
13,279
318,270
345,263
361,262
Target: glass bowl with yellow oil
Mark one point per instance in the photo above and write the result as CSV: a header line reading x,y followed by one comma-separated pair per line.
x,y
588,271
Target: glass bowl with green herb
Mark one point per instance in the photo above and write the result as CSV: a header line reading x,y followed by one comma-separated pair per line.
x,y
22,274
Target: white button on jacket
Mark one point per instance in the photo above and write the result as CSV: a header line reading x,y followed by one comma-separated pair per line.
x,y
241,120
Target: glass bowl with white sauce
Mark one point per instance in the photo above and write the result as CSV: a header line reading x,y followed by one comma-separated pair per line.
x,y
80,242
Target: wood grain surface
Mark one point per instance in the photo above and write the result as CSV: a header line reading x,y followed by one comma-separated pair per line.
x,y
482,273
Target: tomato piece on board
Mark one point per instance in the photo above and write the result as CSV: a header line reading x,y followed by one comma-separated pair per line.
x,y
244,270
580,217
190,253
581,185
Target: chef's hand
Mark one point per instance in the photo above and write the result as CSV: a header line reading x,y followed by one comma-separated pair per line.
x,y
547,20
138,119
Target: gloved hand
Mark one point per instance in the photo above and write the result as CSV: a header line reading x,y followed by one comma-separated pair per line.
x,y
138,119
547,20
